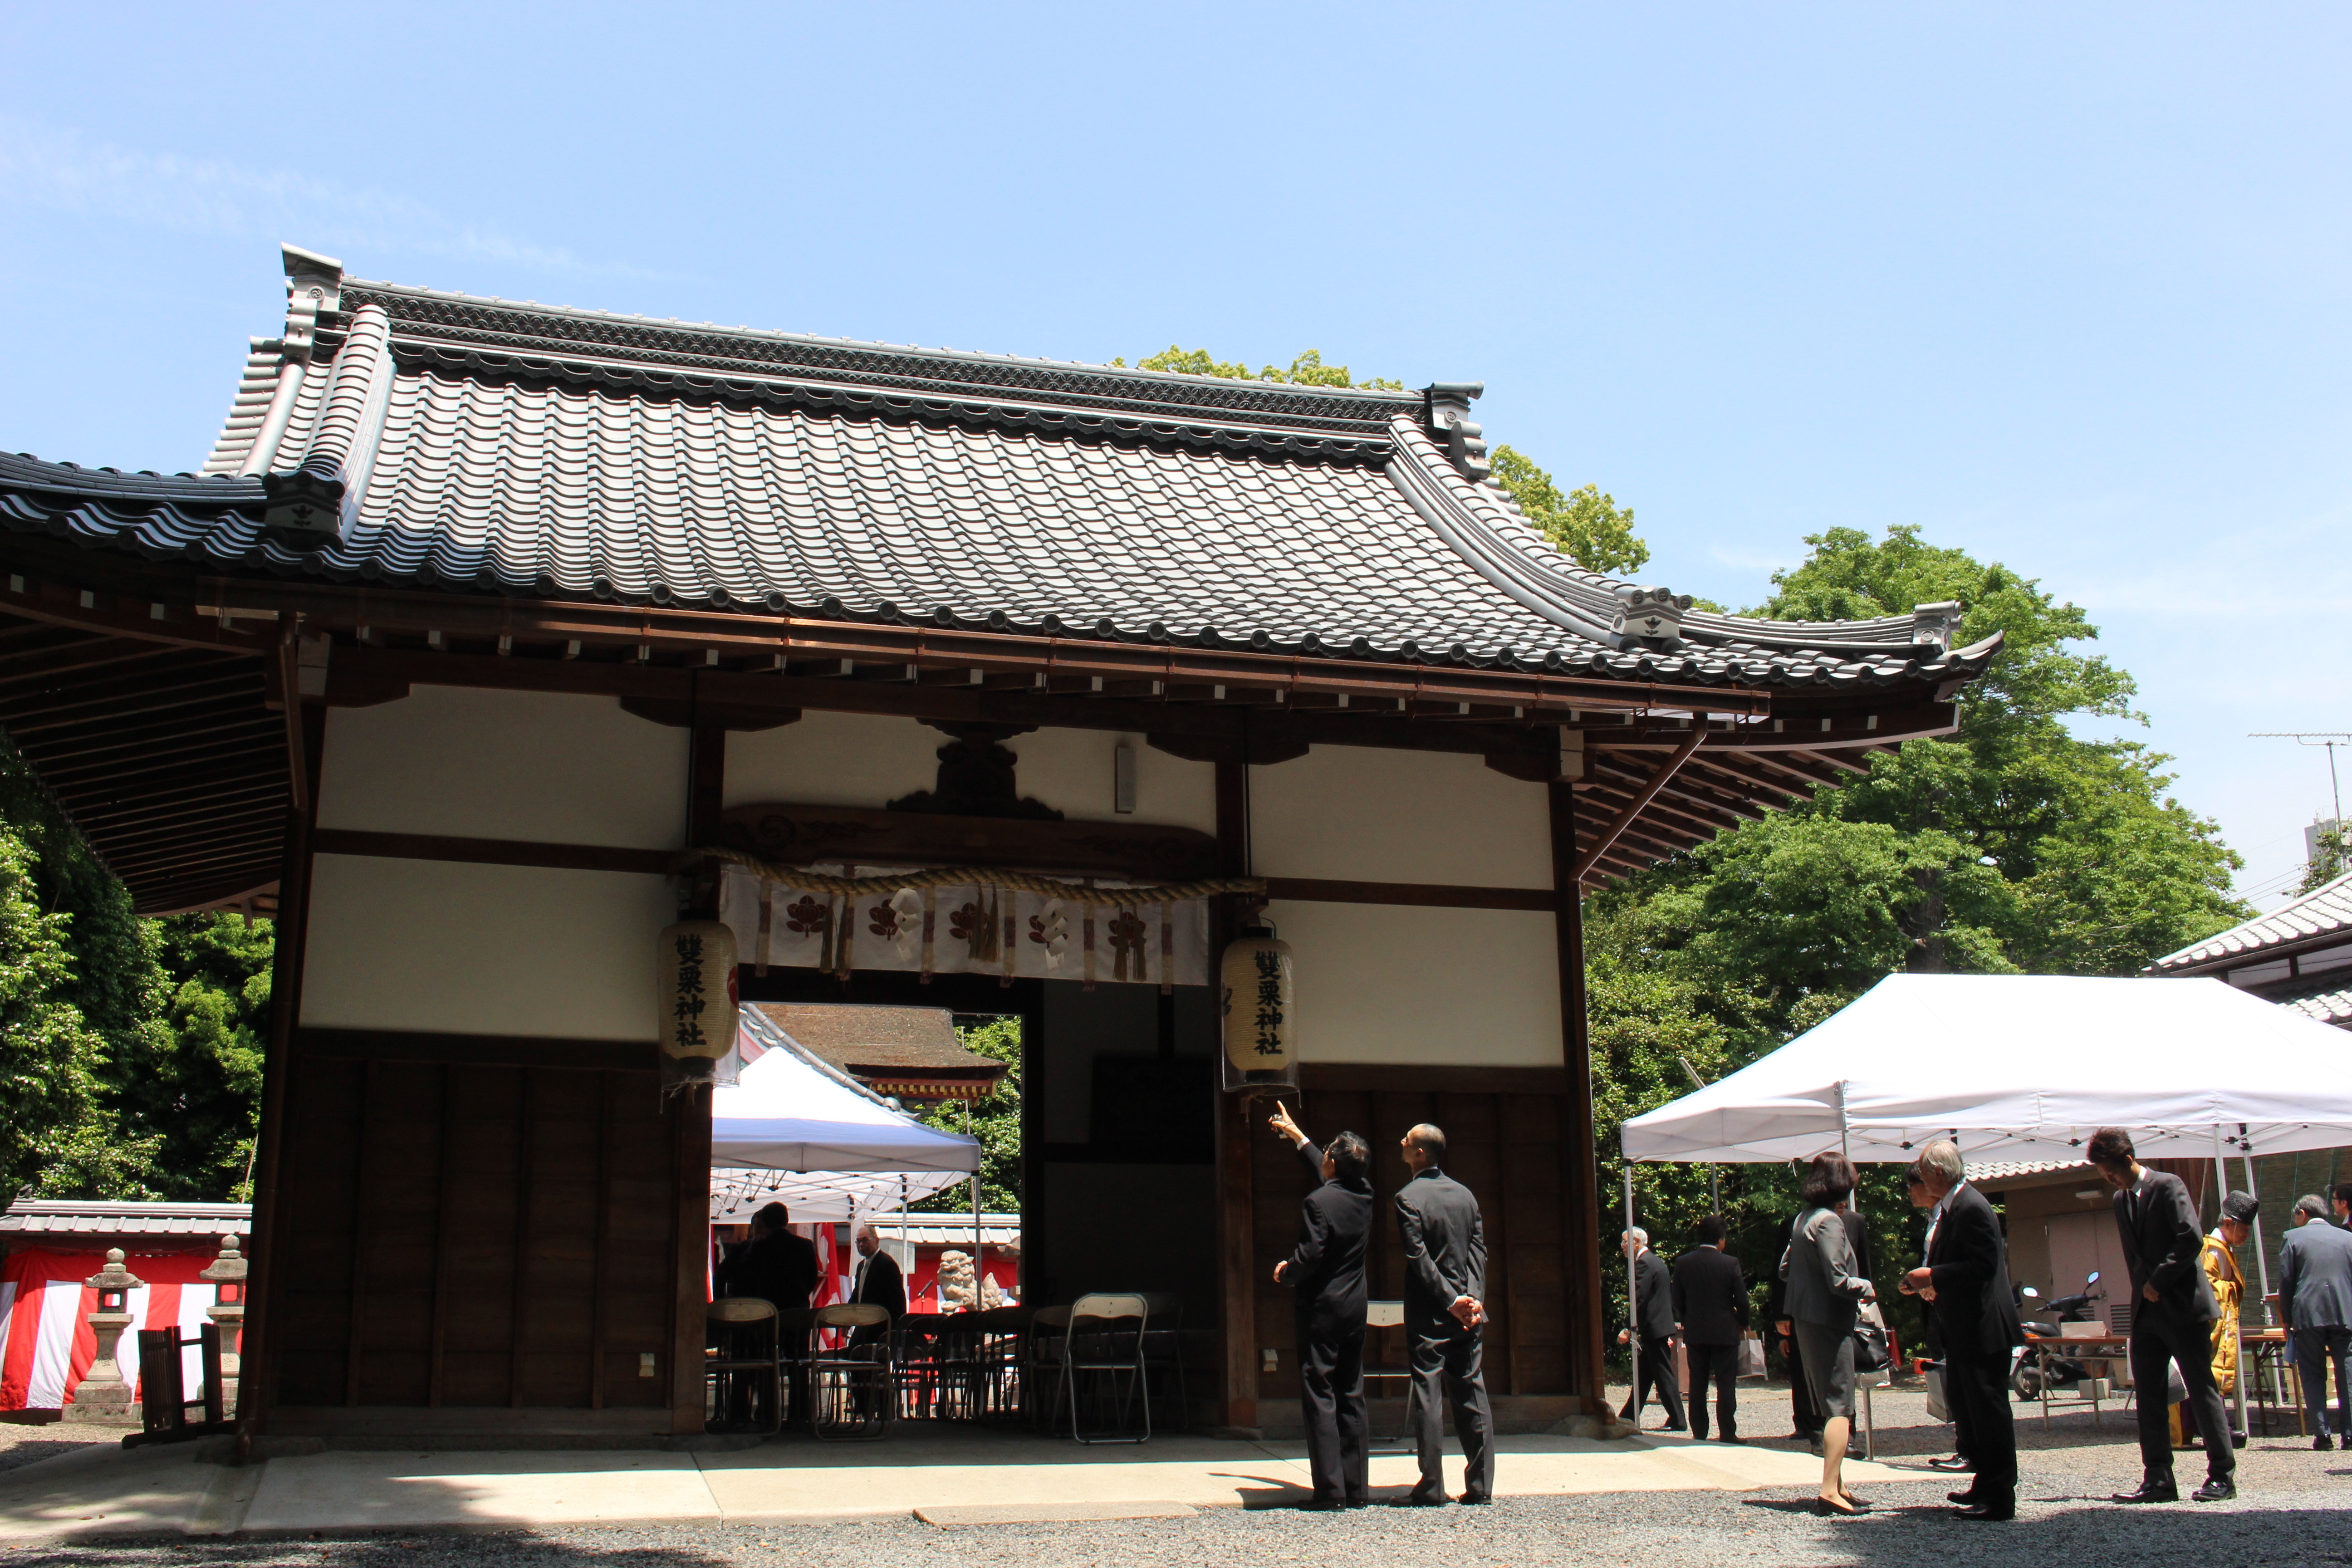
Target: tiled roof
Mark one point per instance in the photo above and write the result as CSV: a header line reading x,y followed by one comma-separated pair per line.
x,y
97,1217
551,453
2325,911
879,1041
2328,1006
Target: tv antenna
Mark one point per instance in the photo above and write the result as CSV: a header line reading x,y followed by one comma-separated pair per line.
x,y
2331,738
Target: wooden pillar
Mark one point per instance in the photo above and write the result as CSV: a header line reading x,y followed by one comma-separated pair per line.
x,y
706,788
265,1280
1236,1230
1581,1178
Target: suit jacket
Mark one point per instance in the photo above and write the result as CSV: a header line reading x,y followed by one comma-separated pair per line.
x,y
1327,1267
781,1269
1825,1284
1857,1239
880,1284
1710,1296
1975,1311
1654,1296
1444,1248
2162,1245
2316,1277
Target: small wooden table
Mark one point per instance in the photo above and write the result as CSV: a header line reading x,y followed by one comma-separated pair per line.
x,y
2105,1349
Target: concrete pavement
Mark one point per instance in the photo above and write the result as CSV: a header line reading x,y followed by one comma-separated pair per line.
x,y
950,1474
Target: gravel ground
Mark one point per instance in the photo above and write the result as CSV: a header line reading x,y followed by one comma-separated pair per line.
x,y
2295,1508
23,1445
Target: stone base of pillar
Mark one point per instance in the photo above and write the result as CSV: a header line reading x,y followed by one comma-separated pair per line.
x,y
112,1405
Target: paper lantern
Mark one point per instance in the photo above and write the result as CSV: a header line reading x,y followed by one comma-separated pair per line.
x,y
1260,1006
696,963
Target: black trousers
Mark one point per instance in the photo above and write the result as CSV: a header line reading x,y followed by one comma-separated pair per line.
x,y
1447,1356
2314,1350
1655,1368
2157,1339
1338,1426
1718,1364
1807,1416
1976,1387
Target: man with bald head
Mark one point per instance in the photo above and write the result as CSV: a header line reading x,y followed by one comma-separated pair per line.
x,y
1444,1281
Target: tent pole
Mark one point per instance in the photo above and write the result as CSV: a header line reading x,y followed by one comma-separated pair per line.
x,y
1845,1151
2261,1259
979,1263
2221,1191
1633,1308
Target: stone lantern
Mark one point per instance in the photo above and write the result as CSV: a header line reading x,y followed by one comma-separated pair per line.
x,y
105,1394
227,1273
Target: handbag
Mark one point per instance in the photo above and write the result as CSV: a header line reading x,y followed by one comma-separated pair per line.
x,y
1870,1352
1751,1355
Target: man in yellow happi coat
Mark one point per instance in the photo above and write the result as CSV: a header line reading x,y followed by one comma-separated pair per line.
x,y
2221,1265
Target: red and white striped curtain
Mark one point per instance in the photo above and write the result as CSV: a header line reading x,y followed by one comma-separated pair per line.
x,y
47,1344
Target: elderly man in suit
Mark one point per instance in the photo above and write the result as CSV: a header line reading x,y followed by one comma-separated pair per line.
x,y
2316,1302
1711,1305
1326,1270
1965,1283
1444,1315
1653,1320
2173,1311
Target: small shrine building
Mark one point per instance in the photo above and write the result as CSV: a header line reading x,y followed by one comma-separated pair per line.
x,y
492,636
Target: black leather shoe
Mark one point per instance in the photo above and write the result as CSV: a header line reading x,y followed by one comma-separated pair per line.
x,y
1418,1499
1828,1509
1955,1463
2151,1492
2321,1444
1985,1512
2217,1489
1966,1499
1321,1505
1473,1500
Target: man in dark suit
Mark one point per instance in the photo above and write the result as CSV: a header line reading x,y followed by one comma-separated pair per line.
x,y
1965,1283
1653,1320
1711,1305
2315,1304
2173,1311
878,1283
1444,1311
776,1267
1326,1272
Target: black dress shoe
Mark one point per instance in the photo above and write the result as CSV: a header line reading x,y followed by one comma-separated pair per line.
x,y
1473,1500
1985,1511
2217,1489
1828,1509
1966,1499
2321,1444
1955,1463
1419,1498
1321,1505
2151,1492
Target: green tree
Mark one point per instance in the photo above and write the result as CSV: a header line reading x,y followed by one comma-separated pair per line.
x,y
57,1136
2329,854
1306,370
2011,846
995,1120
203,1099
1585,525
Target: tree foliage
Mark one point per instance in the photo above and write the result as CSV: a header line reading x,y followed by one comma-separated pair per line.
x,y
995,1122
2013,846
1306,370
1584,524
157,1078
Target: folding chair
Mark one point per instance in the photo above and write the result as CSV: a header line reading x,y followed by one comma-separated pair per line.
x,y
1041,1369
853,1389
1105,1342
747,1367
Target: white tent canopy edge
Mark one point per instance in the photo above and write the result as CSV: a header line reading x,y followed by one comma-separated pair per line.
x,y
2024,1067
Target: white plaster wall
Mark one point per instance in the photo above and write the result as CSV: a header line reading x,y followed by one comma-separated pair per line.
x,y
1071,770
505,764
856,759
492,949
1363,814
1429,987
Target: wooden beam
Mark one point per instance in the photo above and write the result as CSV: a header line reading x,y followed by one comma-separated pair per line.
x,y
1579,1157
289,692
493,851
1624,819
1236,1222
1422,895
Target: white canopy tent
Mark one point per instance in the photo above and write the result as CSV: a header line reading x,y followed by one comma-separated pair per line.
x,y
2025,1067
795,1130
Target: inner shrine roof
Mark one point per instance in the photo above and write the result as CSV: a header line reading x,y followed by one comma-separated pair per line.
x,y
475,444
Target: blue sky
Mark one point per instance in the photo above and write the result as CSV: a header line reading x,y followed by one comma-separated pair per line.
x,y
2067,285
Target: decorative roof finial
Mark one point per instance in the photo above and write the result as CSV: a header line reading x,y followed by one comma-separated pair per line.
x,y
1449,420
1652,617
1933,625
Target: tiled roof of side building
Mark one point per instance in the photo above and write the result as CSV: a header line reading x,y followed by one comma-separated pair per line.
x,y
2328,1006
551,453
2325,910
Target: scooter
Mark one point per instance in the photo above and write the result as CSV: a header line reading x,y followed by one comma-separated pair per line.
x,y
2038,1366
